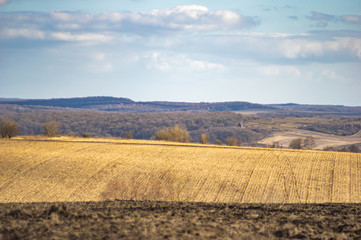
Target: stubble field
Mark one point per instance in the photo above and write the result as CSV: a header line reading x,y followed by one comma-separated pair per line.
x,y
205,191
71,170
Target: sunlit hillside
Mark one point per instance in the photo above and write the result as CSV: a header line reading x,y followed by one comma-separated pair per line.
x,y
67,169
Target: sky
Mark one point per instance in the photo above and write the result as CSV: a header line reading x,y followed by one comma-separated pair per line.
x,y
260,51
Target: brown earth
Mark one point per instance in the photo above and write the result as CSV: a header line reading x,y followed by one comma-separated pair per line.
x,y
178,220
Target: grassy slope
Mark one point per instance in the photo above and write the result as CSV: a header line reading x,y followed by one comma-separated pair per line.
x,y
68,169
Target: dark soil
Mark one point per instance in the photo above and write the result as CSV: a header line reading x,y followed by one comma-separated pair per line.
x,y
171,220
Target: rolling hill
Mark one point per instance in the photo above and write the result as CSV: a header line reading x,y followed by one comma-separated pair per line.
x,y
76,169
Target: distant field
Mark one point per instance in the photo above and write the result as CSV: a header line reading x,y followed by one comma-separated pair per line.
x,y
322,140
71,169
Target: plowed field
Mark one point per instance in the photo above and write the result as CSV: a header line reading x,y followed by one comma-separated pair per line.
x,y
174,220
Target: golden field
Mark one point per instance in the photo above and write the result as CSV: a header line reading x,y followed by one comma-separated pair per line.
x,y
78,169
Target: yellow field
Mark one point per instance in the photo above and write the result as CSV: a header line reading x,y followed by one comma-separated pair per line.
x,y
67,169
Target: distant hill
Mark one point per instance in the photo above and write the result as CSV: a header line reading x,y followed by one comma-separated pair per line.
x,y
126,105
85,102
304,110
112,104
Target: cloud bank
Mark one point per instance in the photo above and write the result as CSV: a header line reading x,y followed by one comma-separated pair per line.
x,y
181,18
189,29
323,18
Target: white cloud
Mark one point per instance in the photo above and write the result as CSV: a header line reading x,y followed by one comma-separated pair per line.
x,y
99,56
68,26
167,62
332,75
193,17
34,34
204,65
306,48
72,17
312,49
22,33
279,70
356,19
86,37
273,47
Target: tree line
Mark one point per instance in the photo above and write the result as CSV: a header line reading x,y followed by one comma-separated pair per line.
x,y
217,127
176,133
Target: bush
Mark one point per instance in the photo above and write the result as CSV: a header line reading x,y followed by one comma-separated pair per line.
x,y
8,129
354,148
233,141
85,135
173,134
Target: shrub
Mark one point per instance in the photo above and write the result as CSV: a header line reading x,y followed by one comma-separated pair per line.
x,y
233,141
354,148
85,135
70,134
275,144
128,135
8,129
204,138
329,148
296,143
174,134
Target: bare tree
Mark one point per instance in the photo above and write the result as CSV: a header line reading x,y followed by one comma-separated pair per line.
x,y
51,129
296,143
309,142
8,129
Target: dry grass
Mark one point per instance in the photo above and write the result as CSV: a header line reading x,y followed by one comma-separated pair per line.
x,y
71,169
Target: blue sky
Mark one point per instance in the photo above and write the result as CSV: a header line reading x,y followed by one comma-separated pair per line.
x,y
258,51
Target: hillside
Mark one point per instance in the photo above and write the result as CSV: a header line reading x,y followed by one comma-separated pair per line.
x,y
71,169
